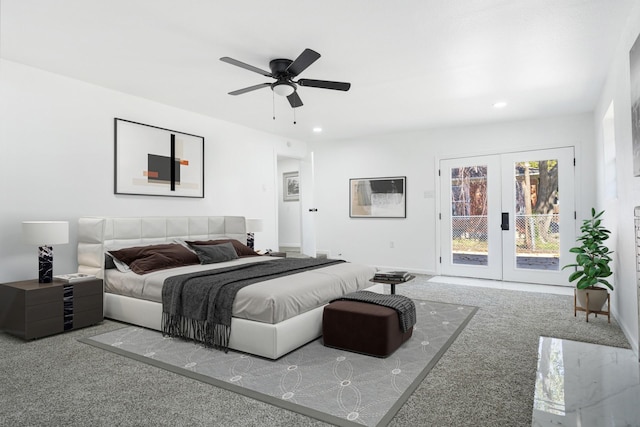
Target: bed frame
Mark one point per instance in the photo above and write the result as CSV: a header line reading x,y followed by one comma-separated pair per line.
x,y
95,233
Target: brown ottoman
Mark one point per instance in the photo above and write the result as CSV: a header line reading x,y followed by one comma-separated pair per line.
x,y
363,328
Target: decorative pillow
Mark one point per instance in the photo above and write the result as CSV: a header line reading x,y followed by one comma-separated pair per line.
x,y
183,243
211,254
111,262
145,259
108,262
241,249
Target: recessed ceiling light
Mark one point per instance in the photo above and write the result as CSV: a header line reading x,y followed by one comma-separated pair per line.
x,y
317,129
500,104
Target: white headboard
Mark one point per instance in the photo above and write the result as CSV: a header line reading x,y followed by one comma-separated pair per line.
x,y
94,233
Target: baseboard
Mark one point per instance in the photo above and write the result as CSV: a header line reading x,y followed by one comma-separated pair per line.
x,y
289,246
633,340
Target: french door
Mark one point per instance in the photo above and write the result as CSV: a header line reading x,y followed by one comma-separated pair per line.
x,y
508,216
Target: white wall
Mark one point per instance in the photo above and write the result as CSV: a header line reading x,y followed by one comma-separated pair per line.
x,y
289,211
619,213
57,146
416,155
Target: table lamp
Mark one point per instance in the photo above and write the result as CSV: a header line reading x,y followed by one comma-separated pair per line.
x,y
44,234
253,225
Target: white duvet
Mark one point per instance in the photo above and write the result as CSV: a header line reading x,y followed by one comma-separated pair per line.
x,y
271,301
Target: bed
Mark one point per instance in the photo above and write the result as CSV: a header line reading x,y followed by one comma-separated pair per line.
x,y
272,330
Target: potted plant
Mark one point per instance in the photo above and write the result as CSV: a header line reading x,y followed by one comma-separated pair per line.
x,y
592,264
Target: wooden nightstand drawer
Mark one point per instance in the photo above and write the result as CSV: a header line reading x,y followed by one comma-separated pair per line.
x,y
88,287
42,328
86,318
91,302
52,310
43,296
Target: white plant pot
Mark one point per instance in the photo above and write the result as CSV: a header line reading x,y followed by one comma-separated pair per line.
x,y
597,298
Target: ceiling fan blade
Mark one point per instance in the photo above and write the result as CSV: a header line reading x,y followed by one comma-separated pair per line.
x,y
295,100
245,66
324,84
301,63
249,89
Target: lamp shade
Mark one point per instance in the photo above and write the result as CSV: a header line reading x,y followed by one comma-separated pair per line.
x,y
45,232
254,225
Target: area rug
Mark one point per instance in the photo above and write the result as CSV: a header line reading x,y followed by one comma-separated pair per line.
x,y
334,386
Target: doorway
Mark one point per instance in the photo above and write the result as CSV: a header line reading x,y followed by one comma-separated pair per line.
x,y
289,238
508,216
295,204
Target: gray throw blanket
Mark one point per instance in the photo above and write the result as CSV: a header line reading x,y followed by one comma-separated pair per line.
x,y
198,305
404,306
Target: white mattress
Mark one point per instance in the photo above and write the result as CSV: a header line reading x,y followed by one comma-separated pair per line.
x,y
271,301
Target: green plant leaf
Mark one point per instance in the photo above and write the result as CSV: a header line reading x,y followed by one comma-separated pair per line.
x,y
575,275
606,283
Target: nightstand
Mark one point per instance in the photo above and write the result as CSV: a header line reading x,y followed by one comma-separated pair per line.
x,y
29,309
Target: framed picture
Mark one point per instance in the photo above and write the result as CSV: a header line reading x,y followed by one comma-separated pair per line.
x,y
378,197
154,161
634,65
290,186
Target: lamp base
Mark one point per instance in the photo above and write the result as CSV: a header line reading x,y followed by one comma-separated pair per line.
x,y
45,264
250,240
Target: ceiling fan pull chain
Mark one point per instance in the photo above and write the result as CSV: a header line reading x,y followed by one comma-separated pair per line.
x,y
273,100
294,116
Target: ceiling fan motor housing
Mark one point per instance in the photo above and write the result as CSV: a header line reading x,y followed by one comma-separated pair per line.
x,y
279,68
283,86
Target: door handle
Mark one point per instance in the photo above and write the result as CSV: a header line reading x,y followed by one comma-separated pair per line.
x,y
313,210
505,221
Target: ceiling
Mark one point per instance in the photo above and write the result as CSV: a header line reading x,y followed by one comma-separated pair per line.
x,y
413,65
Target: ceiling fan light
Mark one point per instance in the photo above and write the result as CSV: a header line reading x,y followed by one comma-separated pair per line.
x,y
283,88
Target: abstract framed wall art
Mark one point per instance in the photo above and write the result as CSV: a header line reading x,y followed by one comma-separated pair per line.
x,y
290,186
154,161
378,197
634,69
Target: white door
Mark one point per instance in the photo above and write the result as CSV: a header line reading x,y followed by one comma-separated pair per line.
x,y
502,217
308,210
471,245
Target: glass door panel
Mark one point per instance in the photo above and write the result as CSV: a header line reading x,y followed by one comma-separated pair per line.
x,y
469,231
537,220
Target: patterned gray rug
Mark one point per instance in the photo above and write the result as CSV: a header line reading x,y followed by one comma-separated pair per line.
x,y
335,386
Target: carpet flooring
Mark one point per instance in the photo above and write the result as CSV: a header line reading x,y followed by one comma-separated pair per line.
x,y
485,378
336,386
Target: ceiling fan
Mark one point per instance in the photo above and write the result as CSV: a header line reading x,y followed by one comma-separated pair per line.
x,y
284,71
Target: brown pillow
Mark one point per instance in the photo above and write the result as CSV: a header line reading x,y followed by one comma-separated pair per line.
x,y
145,259
241,249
